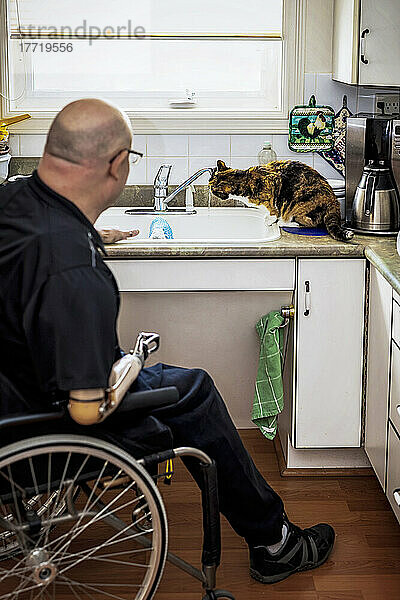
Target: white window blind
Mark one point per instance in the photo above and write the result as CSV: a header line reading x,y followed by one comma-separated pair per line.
x,y
141,54
158,17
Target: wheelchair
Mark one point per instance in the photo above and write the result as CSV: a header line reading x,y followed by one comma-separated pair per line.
x,y
80,518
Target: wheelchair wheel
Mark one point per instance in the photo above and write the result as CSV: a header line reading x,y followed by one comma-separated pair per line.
x,y
78,546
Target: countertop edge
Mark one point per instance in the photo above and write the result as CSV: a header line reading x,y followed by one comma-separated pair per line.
x,y
381,252
386,266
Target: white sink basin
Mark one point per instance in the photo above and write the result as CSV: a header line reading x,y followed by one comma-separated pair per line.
x,y
214,226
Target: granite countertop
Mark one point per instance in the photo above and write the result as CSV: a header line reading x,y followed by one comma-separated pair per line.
x,y
380,251
289,245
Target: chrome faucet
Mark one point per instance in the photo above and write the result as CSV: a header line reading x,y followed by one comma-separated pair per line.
x,y
161,186
161,197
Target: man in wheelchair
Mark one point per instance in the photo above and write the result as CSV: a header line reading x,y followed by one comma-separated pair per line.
x,y
59,305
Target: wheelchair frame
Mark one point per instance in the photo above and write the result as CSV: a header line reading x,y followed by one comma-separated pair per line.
x,y
211,550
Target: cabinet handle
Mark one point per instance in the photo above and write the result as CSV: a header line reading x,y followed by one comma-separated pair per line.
x,y
396,496
398,409
307,299
362,46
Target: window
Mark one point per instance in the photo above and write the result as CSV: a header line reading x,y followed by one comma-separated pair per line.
x,y
235,57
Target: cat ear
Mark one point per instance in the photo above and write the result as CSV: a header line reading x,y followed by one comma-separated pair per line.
x,y
221,166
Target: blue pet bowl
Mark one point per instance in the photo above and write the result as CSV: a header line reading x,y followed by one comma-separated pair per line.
x,y
315,231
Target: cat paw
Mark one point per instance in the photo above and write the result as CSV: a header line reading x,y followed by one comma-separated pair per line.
x,y
283,223
270,220
348,234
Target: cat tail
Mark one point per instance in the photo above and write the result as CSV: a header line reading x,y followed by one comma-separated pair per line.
x,y
333,223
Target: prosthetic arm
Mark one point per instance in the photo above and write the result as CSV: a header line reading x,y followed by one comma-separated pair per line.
x,y
90,407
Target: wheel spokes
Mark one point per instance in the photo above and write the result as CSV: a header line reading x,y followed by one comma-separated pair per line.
x,y
95,534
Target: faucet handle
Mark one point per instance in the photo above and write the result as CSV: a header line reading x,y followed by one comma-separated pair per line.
x,y
162,177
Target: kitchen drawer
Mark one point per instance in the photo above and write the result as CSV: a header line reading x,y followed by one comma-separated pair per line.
x,y
394,412
393,480
192,275
396,323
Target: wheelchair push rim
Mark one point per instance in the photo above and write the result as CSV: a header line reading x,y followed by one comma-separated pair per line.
x,y
79,546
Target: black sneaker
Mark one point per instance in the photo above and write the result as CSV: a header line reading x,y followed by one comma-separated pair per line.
x,y
303,549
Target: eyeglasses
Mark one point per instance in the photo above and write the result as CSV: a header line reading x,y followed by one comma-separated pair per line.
x,y
134,155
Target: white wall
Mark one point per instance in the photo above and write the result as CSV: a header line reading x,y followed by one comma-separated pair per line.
x,y
319,25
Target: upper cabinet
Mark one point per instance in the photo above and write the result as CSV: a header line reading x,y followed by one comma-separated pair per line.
x,y
366,42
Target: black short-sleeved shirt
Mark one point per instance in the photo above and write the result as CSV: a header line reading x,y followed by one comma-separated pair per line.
x,y
58,299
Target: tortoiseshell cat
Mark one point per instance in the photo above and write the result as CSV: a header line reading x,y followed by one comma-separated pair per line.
x,y
290,190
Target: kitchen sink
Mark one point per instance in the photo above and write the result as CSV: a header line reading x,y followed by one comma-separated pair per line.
x,y
208,226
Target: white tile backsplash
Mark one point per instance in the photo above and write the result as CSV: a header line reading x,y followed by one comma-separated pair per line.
x,y
366,97
248,145
209,145
137,173
13,142
243,162
197,162
139,143
167,145
306,158
323,167
32,144
280,145
365,102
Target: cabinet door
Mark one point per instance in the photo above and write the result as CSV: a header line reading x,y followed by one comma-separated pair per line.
x,y
345,40
381,44
329,353
379,336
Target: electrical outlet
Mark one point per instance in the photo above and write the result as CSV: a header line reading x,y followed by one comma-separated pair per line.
x,y
387,104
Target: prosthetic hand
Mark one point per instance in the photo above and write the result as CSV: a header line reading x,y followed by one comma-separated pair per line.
x,y
90,407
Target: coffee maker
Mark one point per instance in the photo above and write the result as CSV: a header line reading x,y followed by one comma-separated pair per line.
x,y
373,174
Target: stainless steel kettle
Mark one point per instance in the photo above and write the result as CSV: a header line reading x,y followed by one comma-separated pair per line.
x,y
376,201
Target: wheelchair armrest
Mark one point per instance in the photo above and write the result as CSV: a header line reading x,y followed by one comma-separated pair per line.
x,y
17,420
148,400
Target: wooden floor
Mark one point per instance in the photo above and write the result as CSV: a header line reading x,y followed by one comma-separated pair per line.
x,y
365,564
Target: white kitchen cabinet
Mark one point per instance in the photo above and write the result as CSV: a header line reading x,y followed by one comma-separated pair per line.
x,y
189,275
378,372
329,366
345,56
382,427
366,42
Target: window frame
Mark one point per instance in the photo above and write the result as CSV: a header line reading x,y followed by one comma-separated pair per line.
x,y
196,120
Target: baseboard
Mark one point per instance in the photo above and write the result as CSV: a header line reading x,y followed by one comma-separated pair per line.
x,y
312,472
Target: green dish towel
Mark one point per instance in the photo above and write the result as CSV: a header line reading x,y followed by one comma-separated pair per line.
x,y
268,397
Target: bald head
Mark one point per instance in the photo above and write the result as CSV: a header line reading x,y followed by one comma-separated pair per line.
x,y
83,159
88,130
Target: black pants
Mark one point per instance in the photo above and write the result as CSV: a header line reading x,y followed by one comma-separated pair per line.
x,y
200,419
